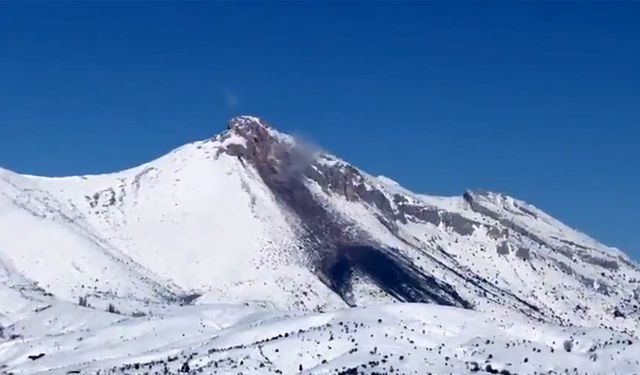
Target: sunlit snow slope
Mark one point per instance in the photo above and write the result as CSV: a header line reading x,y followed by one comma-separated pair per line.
x,y
224,339
255,216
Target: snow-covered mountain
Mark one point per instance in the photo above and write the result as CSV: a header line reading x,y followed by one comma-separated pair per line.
x,y
254,216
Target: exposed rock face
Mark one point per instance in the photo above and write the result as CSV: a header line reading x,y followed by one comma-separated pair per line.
x,y
523,253
503,248
337,248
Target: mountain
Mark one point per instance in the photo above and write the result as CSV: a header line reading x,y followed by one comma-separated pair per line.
x,y
256,217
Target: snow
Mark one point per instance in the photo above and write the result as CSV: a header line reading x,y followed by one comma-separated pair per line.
x,y
192,220
387,181
411,338
210,260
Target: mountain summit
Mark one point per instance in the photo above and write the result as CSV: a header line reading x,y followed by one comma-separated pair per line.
x,y
256,216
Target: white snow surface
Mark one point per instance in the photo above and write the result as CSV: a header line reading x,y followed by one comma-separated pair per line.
x,y
188,222
225,339
200,262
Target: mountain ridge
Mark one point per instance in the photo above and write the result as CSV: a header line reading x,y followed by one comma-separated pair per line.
x,y
254,215
254,251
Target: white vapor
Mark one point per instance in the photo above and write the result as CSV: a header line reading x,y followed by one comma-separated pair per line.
x,y
231,100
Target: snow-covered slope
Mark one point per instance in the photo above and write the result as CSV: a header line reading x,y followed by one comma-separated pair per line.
x,y
226,339
189,223
255,216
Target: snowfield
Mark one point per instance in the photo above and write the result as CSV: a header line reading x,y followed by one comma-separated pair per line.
x,y
252,252
231,339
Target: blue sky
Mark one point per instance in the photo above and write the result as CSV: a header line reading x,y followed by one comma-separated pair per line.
x,y
538,100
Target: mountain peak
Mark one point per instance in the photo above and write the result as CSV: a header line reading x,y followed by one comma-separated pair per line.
x,y
252,138
251,130
247,124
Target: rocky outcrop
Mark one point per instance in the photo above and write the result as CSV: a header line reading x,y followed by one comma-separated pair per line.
x,y
336,253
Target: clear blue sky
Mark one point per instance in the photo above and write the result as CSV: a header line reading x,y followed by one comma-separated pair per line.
x,y
541,101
